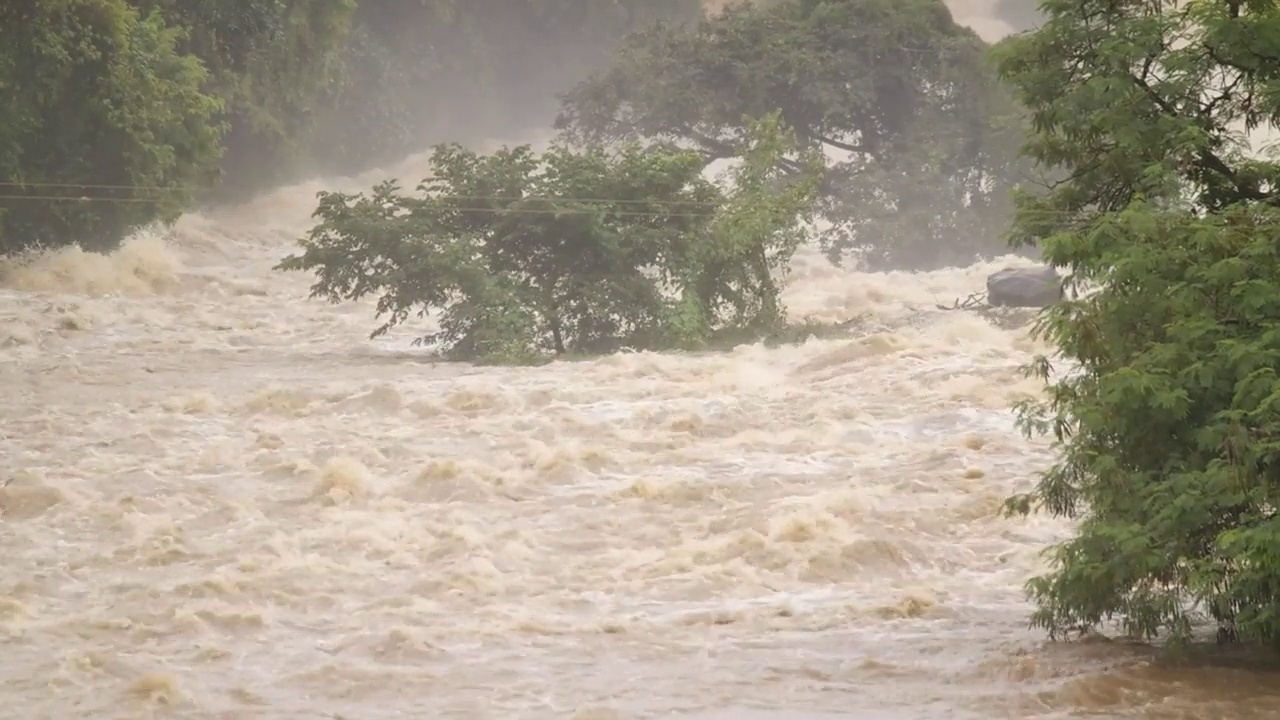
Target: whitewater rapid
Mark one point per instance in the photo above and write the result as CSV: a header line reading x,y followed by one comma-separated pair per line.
x,y
221,500
224,501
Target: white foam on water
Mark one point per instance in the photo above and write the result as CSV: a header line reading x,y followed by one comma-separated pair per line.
x,y
225,501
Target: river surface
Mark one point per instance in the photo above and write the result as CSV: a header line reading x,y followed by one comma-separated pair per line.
x,y
224,501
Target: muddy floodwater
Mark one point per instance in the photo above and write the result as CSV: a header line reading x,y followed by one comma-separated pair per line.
x,y
224,501
221,500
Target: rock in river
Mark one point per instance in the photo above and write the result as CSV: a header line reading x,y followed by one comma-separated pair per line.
x,y
1037,287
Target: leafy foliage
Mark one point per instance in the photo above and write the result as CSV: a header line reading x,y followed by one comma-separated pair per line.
x,y
97,95
569,251
274,64
222,98
904,93
1168,421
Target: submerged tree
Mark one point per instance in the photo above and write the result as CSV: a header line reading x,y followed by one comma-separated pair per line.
x,y
1169,421
896,87
525,255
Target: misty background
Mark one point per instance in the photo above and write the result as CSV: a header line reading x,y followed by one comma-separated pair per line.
x,y
408,75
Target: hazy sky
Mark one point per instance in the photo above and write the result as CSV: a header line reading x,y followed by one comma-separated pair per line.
x,y
977,14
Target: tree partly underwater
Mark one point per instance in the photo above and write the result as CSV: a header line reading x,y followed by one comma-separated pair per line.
x,y
1167,410
527,256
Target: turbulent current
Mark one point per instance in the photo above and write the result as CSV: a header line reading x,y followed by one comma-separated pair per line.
x,y
222,500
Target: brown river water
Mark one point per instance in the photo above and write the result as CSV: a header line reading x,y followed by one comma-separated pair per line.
x,y
224,501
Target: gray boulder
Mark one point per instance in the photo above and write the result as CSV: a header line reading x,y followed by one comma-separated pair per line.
x,y
1025,287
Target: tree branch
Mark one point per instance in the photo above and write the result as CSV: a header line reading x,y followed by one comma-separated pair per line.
x,y
857,147
1210,160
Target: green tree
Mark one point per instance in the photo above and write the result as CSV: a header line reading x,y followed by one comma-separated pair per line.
x,y
903,92
525,255
96,95
278,68
1167,419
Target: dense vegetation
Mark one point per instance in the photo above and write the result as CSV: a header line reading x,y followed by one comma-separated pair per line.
x,y
1167,412
903,93
276,66
925,137
571,252
616,238
96,93
143,105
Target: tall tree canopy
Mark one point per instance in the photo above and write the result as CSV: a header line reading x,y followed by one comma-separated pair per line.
x,y
222,98
274,64
1168,418
896,87
97,96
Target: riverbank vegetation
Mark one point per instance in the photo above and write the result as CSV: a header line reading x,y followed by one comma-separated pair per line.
x,y
252,93
123,112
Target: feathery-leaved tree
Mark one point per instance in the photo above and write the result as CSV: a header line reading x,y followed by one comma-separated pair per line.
x,y
1167,412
